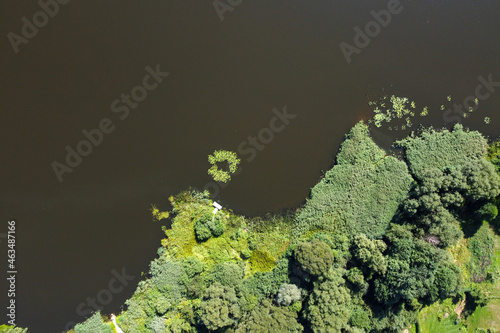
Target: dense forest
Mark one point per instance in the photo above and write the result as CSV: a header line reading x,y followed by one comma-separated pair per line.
x,y
399,242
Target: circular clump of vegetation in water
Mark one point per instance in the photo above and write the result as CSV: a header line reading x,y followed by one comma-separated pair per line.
x,y
220,156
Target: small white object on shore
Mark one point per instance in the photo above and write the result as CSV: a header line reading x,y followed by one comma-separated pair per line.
x,y
113,319
217,207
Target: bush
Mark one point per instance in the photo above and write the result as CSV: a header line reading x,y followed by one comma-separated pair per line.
x,y
487,212
314,257
440,149
94,324
208,225
481,247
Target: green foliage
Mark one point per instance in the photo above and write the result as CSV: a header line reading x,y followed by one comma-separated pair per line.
x,y
94,324
157,214
481,247
440,149
223,156
369,254
288,294
444,196
208,225
192,266
411,268
361,317
270,318
446,281
12,329
368,221
361,193
314,257
261,261
357,281
135,318
487,212
219,307
494,154
328,305
430,322
157,325
167,276
227,274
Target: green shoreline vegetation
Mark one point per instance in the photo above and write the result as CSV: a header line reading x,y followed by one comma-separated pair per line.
x,y
382,244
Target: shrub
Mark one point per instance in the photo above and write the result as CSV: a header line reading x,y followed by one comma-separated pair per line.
x,y
208,225
488,212
93,324
481,247
441,149
314,257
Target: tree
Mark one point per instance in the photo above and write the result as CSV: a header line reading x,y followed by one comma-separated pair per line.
x,y
314,257
271,319
219,307
370,254
288,294
446,281
208,225
328,305
487,212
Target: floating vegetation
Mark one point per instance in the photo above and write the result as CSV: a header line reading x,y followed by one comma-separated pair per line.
x,y
400,109
487,120
425,111
442,107
448,98
476,101
223,156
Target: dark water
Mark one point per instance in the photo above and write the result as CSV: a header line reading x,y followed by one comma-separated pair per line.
x,y
225,79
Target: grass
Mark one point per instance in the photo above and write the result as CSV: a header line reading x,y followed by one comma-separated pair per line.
x,y
438,318
489,316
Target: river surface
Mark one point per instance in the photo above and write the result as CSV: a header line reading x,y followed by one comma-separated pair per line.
x,y
225,79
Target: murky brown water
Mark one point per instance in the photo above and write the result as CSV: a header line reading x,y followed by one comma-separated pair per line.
x,y
225,79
